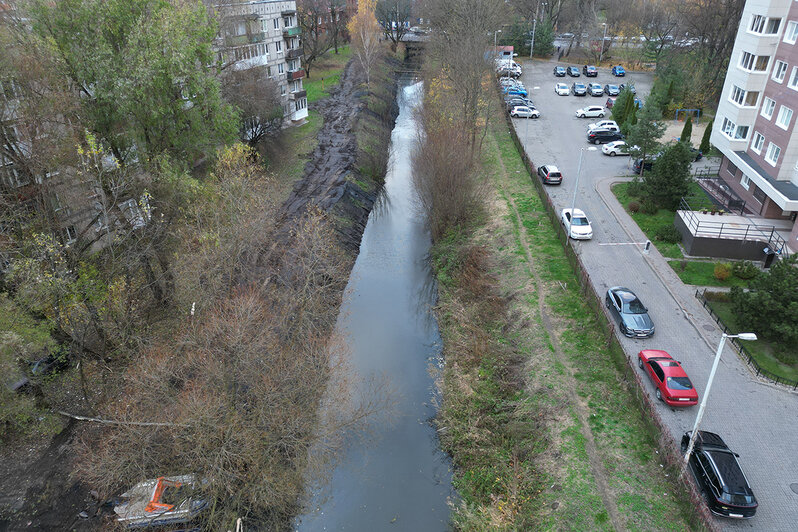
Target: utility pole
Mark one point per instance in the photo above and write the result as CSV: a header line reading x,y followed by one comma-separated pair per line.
x,y
534,27
601,51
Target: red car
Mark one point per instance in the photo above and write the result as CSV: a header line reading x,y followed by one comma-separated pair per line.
x,y
672,384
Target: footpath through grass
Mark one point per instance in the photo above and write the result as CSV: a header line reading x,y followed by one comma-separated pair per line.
x,y
513,411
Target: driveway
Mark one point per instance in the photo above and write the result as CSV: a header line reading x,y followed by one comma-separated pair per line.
x,y
756,419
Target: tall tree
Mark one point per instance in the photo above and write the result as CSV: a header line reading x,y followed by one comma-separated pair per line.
x,y
257,97
338,21
394,18
145,71
316,39
646,133
365,34
669,179
705,146
687,130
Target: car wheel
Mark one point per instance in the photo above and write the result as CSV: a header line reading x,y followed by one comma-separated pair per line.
x,y
597,142
658,394
640,362
601,115
613,154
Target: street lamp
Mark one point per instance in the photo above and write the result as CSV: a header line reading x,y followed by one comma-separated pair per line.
x,y
495,48
601,52
741,336
576,185
534,26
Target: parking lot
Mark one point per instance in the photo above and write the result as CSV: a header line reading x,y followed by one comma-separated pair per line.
x,y
757,420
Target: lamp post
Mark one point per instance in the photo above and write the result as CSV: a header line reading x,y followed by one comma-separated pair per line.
x,y
495,48
534,26
603,39
741,336
576,185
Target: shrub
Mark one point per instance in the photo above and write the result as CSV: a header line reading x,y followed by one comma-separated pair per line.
x,y
745,269
633,206
668,233
683,264
721,297
722,271
649,206
635,188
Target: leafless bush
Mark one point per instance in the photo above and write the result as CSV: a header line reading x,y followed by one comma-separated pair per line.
x,y
450,191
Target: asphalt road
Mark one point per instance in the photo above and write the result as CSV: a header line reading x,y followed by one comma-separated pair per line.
x,y
757,420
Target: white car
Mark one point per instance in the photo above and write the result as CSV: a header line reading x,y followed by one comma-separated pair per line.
x,y
618,147
592,111
604,124
577,226
522,111
562,89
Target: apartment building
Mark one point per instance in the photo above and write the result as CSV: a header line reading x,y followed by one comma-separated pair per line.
x,y
755,126
265,34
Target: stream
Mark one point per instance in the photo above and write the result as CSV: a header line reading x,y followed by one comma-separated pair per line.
x,y
398,478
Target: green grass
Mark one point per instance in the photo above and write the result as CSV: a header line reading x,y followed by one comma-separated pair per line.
x,y
298,142
761,350
703,274
325,73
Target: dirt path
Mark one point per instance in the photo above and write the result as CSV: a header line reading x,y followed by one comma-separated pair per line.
x,y
581,409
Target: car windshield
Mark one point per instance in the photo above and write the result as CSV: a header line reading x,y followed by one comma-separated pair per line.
x,y
580,221
738,498
633,306
679,383
613,87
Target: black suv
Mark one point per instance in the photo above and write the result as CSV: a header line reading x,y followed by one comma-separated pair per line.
x,y
719,476
600,135
559,71
573,71
590,71
648,165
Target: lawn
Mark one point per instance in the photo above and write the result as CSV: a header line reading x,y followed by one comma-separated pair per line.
x,y
761,350
702,274
325,73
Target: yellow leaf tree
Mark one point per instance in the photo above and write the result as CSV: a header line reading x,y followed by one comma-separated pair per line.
x,y
365,33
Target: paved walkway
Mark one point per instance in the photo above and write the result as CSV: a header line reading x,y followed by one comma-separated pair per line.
x,y
758,420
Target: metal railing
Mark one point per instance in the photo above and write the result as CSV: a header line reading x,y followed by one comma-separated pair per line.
x,y
733,231
721,193
742,351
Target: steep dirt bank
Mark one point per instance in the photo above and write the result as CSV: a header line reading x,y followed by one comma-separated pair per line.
x,y
347,167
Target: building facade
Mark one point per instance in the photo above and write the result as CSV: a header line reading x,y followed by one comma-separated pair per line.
x,y
265,34
755,126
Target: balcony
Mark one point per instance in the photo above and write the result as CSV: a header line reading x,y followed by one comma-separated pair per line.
x,y
298,95
295,75
249,38
288,12
291,32
294,53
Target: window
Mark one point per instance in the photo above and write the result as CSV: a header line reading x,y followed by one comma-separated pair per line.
x,y
282,90
757,24
759,194
751,98
762,62
773,26
737,95
768,107
269,71
741,133
772,155
779,71
745,182
301,104
747,61
731,168
281,68
728,128
70,234
791,33
785,115
278,47
758,142
277,23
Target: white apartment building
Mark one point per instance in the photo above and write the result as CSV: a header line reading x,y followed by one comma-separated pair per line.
x,y
265,34
755,124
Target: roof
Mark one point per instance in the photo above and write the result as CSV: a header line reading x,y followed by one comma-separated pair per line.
x,y
787,188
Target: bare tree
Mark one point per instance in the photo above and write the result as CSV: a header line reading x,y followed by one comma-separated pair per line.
x,y
365,34
316,40
257,96
394,17
339,17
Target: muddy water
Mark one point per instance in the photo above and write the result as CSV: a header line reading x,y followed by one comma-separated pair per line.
x,y
398,479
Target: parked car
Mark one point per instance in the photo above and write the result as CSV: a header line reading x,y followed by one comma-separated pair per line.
x,y
630,313
518,100
611,90
721,479
579,89
604,124
562,89
523,111
601,135
595,89
592,111
647,165
618,147
577,226
573,71
590,71
618,71
559,71
672,384
629,86
609,103
550,174
516,90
